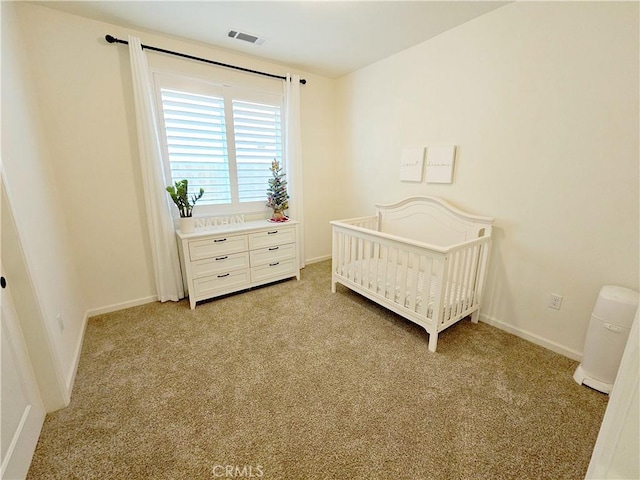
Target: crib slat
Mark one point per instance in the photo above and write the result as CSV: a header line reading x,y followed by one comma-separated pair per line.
x,y
341,259
464,279
447,295
376,266
415,275
449,298
481,271
440,292
345,248
451,284
471,283
390,280
353,259
364,255
477,274
402,280
361,261
383,274
347,255
427,270
337,260
455,284
370,265
461,294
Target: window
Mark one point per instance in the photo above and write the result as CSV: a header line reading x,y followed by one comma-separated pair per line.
x,y
220,138
258,141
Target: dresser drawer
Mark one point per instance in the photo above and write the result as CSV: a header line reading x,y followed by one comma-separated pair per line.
x,y
221,264
217,247
273,271
269,238
277,253
220,284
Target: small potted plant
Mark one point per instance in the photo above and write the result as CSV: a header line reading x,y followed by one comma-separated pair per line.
x,y
277,197
179,193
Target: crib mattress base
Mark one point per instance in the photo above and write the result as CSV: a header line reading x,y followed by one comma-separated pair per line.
x,y
371,278
424,321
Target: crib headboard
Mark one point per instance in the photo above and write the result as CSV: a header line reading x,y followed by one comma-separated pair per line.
x,y
431,220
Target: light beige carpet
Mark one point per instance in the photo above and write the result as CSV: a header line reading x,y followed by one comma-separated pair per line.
x,y
290,381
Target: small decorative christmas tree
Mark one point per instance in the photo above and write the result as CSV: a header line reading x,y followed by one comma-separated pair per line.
x,y
277,197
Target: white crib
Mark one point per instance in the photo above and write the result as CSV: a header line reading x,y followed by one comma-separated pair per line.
x,y
421,258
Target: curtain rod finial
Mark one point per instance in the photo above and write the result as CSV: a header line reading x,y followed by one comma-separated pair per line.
x,y
110,38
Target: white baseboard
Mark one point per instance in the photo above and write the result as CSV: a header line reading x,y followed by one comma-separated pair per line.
x,y
533,338
318,259
71,377
121,306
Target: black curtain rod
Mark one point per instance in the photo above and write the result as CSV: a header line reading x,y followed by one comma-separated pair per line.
x,y
112,39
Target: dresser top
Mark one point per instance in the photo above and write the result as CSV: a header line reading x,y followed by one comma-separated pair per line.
x,y
246,227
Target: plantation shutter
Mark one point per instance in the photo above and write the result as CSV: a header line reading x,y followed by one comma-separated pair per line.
x,y
197,143
258,141
221,138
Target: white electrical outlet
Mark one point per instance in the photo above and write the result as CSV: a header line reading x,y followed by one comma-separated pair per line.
x,y
555,301
60,322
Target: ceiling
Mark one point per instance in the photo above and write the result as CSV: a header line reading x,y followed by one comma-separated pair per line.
x,y
328,38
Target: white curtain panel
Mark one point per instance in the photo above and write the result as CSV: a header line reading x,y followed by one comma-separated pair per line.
x,y
164,252
293,155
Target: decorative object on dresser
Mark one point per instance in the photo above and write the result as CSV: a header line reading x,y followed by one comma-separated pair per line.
x,y
236,257
179,193
421,258
277,197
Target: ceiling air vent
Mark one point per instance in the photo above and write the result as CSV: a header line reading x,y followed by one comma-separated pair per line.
x,y
247,37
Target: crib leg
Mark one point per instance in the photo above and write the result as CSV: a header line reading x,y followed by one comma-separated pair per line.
x,y
333,286
433,341
475,316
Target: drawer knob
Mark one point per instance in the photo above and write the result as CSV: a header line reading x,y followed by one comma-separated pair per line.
x,y
225,275
274,264
273,248
273,232
218,240
222,258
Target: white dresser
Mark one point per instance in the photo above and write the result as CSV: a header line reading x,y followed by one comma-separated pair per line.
x,y
230,258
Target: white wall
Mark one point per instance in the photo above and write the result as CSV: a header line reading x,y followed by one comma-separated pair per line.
x,y
84,90
542,100
37,254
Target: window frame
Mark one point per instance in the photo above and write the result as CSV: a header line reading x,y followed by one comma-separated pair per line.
x,y
228,91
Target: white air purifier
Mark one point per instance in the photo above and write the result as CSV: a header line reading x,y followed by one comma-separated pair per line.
x,y
607,335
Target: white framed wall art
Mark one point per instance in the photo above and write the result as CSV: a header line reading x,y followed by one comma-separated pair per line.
x,y
440,163
412,164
